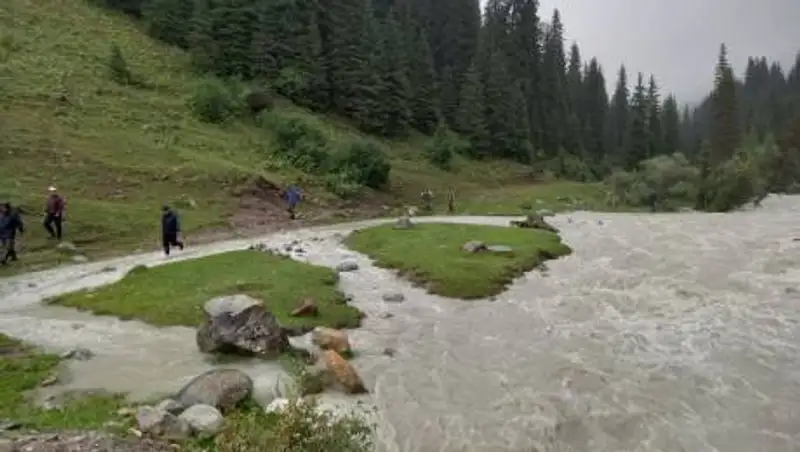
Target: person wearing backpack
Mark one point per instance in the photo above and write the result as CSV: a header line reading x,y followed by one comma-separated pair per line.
x,y
54,213
10,224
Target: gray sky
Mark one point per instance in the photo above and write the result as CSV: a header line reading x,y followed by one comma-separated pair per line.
x,y
678,40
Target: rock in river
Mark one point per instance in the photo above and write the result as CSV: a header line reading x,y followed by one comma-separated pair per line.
x,y
220,388
330,339
253,331
343,373
205,420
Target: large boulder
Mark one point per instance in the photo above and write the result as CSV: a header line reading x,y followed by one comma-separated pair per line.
x,y
252,331
161,424
205,420
342,373
220,388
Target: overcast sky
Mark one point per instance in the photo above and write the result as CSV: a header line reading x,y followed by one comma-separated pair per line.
x,y
678,40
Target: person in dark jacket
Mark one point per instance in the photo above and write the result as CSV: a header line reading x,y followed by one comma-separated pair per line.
x,y
170,229
10,224
54,213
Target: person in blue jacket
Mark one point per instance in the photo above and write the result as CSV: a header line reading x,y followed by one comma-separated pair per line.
x,y
10,224
293,196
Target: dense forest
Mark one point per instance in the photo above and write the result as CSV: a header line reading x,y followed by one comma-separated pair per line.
x,y
500,82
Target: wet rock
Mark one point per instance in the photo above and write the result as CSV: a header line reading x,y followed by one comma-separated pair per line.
x,y
388,351
386,315
347,266
78,353
330,339
474,246
220,388
343,373
253,331
160,424
403,222
229,304
109,269
534,221
393,297
307,309
205,420
295,331
500,249
170,406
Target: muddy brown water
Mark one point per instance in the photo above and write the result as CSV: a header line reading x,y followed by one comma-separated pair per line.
x,y
671,332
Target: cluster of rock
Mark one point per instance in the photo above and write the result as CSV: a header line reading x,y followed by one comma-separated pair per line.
x,y
534,221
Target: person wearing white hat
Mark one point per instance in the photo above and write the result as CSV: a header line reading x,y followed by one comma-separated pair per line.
x,y
54,213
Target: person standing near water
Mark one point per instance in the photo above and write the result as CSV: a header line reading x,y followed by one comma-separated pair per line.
x,y
10,224
54,213
293,196
170,229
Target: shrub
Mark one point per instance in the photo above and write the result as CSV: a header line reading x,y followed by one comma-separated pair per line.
x,y
300,427
569,166
118,68
440,149
661,183
215,102
342,185
365,162
301,143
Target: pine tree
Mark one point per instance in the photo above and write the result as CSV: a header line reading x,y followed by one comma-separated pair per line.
x,y
726,135
525,41
671,124
556,98
168,20
200,40
395,84
471,117
424,90
656,146
595,105
619,118
639,137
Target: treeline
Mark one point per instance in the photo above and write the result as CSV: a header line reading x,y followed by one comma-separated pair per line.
x,y
497,83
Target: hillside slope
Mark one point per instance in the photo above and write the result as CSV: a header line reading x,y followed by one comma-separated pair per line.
x,y
117,152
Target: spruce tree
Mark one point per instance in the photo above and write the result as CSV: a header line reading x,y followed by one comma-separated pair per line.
x,y
395,84
471,117
424,103
168,20
670,121
525,41
595,105
618,120
555,96
638,135
654,119
726,135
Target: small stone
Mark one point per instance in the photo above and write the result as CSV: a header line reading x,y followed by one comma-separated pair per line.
x,y
205,420
109,269
170,406
307,309
162,424
388,351
474,246
347,266
78,353
393,297
49,381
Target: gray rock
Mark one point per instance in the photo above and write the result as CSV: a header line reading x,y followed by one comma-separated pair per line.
x,y
393,297
78,353
347,266
229,304
253,332
170,406
386,315
500,249
205,420
474,246
161,424
220,388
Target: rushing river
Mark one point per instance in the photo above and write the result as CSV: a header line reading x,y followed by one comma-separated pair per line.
x,y
671,332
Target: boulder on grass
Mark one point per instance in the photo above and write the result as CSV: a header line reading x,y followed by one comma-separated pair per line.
x,y
253,331
534,221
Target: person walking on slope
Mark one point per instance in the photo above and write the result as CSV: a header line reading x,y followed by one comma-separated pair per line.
x,y
170,229
10,224
293,196
54,213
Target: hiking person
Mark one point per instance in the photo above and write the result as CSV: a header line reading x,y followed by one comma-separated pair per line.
x,y
170,229
293,196
426,199
451,201
10,224
54,213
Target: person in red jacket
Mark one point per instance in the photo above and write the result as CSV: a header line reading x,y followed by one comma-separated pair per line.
x,y
54,213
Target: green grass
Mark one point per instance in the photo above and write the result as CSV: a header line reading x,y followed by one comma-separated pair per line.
x,y
23,369
174,294
431,255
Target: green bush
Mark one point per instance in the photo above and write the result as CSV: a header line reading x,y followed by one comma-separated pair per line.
x,y
215,102
365,163
342,185
440,149
301,143
662,183
571,167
